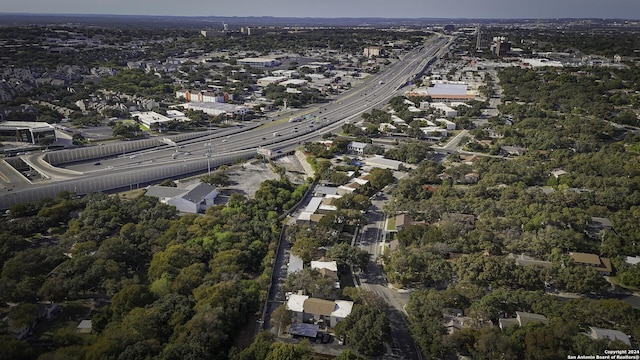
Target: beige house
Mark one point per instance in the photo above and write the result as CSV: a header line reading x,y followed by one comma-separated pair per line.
x,y
603,265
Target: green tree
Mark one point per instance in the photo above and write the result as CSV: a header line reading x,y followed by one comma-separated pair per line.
x,y
23,316
281,318
345,254
216,178
284,351
130,297
380,178
364,330
259,348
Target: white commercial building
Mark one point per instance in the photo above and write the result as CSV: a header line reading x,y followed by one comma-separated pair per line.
x,y
444,108
449,125
434,132
149,118
541,63
450,91
298,82
382,163
216,108
28,131
268,80
287,73
258,62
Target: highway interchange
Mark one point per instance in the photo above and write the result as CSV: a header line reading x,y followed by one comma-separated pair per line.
x,y
128,164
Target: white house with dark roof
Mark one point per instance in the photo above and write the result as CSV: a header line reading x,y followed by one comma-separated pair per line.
x,y
195,198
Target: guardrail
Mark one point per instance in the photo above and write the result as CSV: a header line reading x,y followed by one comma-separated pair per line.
x,y
107,150
112,181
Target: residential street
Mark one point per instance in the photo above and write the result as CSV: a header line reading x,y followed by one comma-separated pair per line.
x,y
373,280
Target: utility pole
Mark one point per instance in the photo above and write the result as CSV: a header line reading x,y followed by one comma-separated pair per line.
x,y
208,146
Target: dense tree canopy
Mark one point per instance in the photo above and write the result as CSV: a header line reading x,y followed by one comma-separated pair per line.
x,y
179,287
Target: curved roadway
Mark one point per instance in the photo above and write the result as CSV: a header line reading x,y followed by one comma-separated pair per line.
x,y
221,146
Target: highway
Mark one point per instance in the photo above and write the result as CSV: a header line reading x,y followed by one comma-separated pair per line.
x,y
133,167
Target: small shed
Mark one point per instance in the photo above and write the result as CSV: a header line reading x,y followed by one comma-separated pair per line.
x,y
84,327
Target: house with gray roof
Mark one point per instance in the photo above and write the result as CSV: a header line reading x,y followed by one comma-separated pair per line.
x,y
194,198
611,335
356,147
521,319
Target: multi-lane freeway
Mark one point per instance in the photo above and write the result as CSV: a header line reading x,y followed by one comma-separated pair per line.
x,y
137,163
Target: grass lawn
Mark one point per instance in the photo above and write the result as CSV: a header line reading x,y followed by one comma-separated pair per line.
x,y
614,280
391,224
131,194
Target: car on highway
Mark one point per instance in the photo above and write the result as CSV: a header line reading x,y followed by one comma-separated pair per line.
x,y
97,163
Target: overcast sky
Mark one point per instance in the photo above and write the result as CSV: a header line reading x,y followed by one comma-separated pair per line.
x,y
627,9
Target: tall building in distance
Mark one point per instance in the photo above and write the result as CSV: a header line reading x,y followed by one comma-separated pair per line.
x,y
373,51
482,39
502,46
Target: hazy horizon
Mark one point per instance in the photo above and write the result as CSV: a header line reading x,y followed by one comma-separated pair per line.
x,y
456,9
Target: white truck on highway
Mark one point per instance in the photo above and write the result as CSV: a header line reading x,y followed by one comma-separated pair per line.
x,y
276,134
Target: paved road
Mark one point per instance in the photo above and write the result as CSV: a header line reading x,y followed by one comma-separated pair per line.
x,y
372,279
225,144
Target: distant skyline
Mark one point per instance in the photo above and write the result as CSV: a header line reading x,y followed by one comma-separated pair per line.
x,y
470,9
